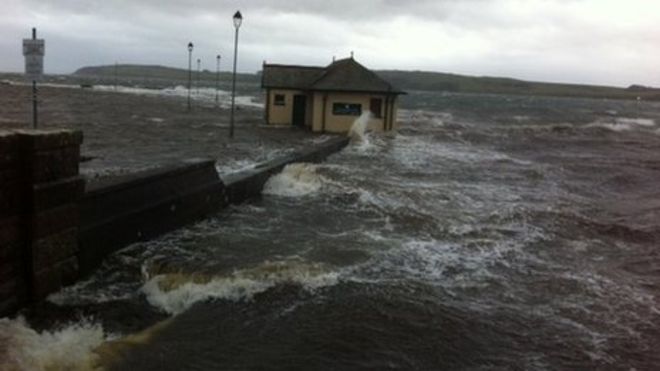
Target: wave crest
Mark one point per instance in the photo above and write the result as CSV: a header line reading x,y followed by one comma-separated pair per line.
x,y
176,292
69,348
295,180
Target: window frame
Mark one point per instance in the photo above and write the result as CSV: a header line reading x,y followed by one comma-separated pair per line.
x,y
346,109
278,103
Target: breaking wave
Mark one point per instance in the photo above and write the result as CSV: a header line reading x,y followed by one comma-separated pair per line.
x,y
176,292
70,347
359,127
295,180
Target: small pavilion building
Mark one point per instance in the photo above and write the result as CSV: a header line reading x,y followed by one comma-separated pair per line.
x,y
328,99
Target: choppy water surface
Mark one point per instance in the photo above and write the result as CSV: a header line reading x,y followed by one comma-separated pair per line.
x,y
489,233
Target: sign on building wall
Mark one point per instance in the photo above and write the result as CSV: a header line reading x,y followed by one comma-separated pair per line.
x,y
34,50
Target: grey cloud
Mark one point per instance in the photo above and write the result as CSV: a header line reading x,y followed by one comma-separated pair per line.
x,y
534,39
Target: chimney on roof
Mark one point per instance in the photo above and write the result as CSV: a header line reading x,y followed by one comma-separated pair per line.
x,y
351,54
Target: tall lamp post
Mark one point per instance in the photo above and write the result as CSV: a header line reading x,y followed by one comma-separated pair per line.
x,y
190,49
238,19
217,78
199,63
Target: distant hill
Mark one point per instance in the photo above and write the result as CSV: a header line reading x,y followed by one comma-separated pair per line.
x,y
436,81
406,80
134,71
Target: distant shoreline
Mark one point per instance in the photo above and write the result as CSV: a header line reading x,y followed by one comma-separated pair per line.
x,y
405,80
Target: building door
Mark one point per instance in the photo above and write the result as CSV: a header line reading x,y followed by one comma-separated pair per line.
x,y
299,106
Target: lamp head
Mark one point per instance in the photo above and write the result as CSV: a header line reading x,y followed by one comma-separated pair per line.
x,y
238,19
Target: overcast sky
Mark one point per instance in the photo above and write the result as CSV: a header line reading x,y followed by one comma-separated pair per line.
x,y
613,42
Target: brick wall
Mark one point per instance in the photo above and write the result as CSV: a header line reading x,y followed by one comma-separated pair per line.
x,y
39,192
13,285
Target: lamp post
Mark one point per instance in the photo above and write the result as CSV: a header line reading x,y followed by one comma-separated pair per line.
x,y
199,63
217,78
190,49
238,19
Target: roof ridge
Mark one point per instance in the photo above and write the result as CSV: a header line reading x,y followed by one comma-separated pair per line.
x,y
390,86
292,66
344,74
329,68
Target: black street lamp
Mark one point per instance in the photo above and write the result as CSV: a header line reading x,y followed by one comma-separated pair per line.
x,y
217,78
238,19
199,63
190,49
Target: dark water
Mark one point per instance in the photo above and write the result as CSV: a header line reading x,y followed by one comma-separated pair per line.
x,y
491,232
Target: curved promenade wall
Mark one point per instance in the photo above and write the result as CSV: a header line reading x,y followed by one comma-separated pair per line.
x,y
54,229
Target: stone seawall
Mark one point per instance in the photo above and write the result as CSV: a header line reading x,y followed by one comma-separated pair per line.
x,y
53,231
138,207
144,205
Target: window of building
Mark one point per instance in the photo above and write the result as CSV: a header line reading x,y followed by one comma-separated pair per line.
x,y
279,100
376,107
346,109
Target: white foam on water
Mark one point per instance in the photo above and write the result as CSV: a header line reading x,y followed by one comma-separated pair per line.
x,y
419,153
245,101
430,261
610,126
437,122
184,296
70,347
258,155
472,263
295,180
635,121
621,124
437,119
381,200
43,84
440,116
367,146
175,293
320,139
234,166
206,95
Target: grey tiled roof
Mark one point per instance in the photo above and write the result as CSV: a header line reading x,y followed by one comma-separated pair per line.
x,y
342,75
291,77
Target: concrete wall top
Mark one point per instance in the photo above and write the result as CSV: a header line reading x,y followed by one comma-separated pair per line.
x,y
42,139
148,176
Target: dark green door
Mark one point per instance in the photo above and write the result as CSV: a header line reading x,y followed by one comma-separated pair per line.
x,y
299,106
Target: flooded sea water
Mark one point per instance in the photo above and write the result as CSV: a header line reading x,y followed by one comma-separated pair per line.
x,y
489,233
